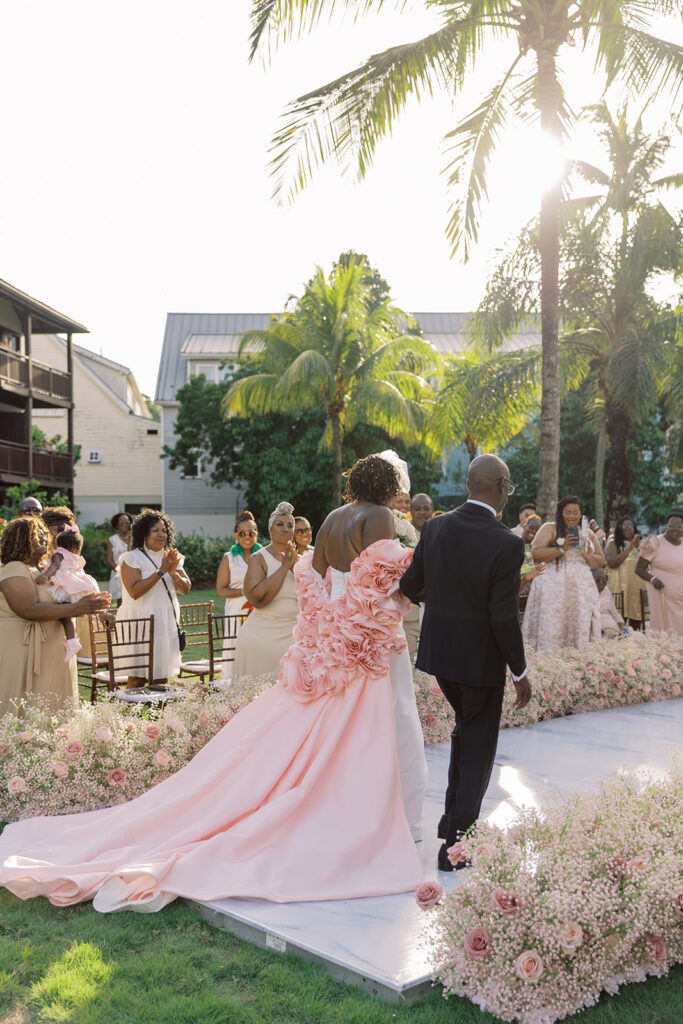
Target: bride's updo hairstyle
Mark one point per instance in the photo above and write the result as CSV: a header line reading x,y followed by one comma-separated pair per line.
x,y
283,509
371,479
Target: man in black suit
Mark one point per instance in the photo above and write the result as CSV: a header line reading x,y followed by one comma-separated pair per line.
x,y
466,571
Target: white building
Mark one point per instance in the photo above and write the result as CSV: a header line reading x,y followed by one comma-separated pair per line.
x,y
120,465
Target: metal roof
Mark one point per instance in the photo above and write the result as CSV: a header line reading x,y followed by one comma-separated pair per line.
x,y
45,319
217,335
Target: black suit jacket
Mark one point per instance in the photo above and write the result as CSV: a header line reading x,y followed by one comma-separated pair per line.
x,y
466,571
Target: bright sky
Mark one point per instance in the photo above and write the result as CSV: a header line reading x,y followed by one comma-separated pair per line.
x,y
134,181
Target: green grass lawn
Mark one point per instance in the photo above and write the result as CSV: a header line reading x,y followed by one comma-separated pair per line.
x,y
74,966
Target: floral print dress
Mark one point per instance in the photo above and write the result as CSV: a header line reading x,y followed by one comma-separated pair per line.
x,y
563,609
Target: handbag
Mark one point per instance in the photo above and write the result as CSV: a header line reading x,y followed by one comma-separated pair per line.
x,y
182,635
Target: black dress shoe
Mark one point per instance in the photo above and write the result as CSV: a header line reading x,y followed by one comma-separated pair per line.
x,y
445,865
443,862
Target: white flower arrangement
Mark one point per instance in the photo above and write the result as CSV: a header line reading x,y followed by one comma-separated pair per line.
x,y
405,531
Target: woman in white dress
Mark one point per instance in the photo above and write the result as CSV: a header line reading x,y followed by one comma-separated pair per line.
x,y
152,574
563,609
117,545
231,573
269,588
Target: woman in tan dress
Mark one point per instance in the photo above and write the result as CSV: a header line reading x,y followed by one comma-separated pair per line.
x,y
621,555
269,587
661,565
31,637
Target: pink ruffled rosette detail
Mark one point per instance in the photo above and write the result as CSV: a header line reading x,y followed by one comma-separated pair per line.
x,y
341,642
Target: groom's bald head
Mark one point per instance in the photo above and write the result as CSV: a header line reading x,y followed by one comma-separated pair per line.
x,y
486,481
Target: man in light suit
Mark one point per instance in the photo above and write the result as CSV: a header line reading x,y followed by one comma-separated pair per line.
x,y
466,571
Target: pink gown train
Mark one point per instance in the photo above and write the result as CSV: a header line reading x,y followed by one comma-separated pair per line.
x,y
297,798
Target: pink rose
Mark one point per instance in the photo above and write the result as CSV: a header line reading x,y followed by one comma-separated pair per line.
x,y
546,693
60,769
477,943
675,690
117,777
529,965
103,734
162,758
591,669
129,728
570,936
630,671
665,659
646,688
435,691
16,785
618,681
428,894
561,692
203,719
505,902
456,853
222,722
174,723
609,674
62,732
430,719
483,851
74,748
3,750
152,731
666,673
24,737
656,948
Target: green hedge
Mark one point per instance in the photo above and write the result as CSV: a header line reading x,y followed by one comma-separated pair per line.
x,y
202,555
95,551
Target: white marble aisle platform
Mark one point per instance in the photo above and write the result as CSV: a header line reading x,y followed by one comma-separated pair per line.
x,y
377,943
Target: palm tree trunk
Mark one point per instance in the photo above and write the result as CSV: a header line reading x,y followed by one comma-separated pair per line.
x,y
336,458
600,476
549,463
619,476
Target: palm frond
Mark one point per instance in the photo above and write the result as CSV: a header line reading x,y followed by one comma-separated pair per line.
x,y
249,396
380,404
280,20
306,381
590,173
474,141
648,64
669,181
346,118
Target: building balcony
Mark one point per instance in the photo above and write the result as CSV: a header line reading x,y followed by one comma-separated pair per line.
x,y
51,468
44,381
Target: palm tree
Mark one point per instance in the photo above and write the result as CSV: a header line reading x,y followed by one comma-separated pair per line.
x,y
338,349
484,400
347,117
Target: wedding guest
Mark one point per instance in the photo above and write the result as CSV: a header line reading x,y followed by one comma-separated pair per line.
x,y
57,518
31,638
621,555
530,569
117,545
68,581
421,510
269,588
598,531
152,575
563,609
29,506
661,565
611,622
231,573
303,535
525,513
401,502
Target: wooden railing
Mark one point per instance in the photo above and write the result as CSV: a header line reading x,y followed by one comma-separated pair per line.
x,y
48,467
14,368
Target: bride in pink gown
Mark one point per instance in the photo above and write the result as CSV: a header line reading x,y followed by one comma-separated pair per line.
x,y
297,798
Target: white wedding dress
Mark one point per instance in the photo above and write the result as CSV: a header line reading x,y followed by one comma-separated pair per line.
x,y
409,739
